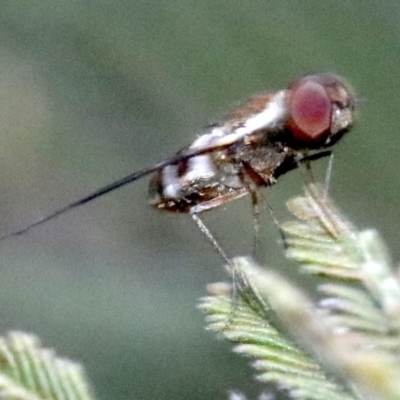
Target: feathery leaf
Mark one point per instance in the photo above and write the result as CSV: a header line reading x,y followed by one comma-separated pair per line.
x,y
247,322
344,346
30,372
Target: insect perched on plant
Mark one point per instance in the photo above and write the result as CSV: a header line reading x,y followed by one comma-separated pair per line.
x,y
270,134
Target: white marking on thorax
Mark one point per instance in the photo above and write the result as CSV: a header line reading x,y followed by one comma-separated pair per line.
x,y
272,115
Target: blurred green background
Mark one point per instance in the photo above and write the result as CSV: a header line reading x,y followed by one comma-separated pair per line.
x,y
93,90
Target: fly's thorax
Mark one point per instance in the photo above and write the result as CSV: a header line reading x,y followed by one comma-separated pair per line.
x,y
260,163
264,112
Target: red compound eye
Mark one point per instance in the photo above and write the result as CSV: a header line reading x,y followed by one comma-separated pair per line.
x,y
310,110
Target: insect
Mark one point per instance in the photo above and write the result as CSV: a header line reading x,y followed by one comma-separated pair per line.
x,y
269,135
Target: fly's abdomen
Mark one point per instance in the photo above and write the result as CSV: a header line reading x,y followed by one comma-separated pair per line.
x,y
180,187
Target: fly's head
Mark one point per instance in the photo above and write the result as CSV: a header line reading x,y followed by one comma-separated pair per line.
x,y
320,110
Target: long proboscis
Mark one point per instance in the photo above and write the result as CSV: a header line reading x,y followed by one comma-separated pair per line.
x,y
113,186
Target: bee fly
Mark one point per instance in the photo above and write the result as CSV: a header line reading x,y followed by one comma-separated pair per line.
x,y
270,134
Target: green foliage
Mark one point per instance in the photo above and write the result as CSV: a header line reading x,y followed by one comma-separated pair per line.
x,y
30,372
277,358
345,344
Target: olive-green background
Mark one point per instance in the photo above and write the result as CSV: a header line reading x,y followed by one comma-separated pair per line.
x,y
93,90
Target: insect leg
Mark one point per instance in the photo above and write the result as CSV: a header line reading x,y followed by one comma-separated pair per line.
x,y
316,156
206,232
208,205
328,175
255,180
306,160
231,267
256,220
275,221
